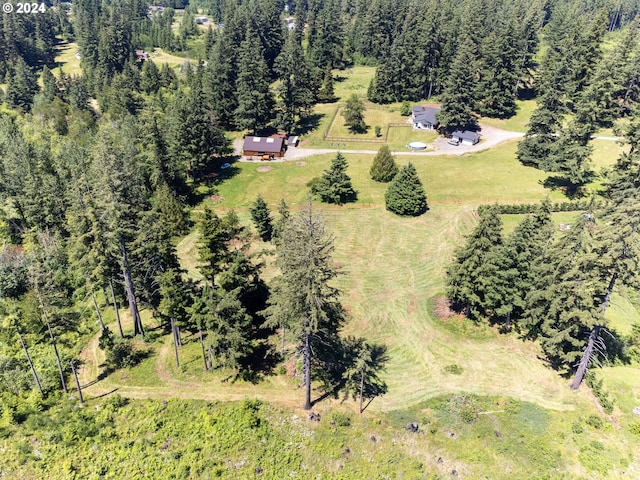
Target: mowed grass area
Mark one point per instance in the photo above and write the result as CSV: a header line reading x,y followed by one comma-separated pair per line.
x,y
394,267
373,116
160,57
517,123
397,138
352,80
66,60
484,177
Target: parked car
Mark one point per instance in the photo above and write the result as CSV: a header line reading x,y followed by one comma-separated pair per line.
x,y
225,166
454,141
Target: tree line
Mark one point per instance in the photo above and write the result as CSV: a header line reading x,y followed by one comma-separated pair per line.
x,y
555,287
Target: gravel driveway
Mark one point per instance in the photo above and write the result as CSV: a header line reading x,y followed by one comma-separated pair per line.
x,y
491,137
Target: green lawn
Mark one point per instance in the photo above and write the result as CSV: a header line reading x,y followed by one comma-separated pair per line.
x,y
373,117
353,80
517,123
66,59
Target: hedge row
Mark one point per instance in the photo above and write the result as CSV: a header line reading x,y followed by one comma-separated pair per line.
x,y
532,207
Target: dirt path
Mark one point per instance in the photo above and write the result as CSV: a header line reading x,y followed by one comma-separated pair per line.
x,y
276,390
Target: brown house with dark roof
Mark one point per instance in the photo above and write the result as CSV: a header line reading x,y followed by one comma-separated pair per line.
x,y
264,146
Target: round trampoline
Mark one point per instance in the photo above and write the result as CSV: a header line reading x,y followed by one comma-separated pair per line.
x,y
413,146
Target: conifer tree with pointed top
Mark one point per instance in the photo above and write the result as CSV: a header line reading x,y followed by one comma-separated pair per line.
x,y
255,102
335,185
262,218
384,167
467,276
512,276
459,96
303,300
405,195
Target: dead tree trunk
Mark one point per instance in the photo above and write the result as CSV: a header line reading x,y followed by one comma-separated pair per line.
x,y
131,294
306,354
75,375
204,357
95,305
106,296
33,370
593,337
586,358
115,307
361,387
53,342
175,340
210,356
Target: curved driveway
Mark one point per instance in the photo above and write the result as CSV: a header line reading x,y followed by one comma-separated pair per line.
x,y
490,137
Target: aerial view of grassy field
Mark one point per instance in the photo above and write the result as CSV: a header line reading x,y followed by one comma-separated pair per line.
x,y
471,387
464,398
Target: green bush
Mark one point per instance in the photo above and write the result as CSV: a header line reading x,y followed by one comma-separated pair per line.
x,y
606,402
453,369
341,419
405,109
594,421
634,428
464,407
576,427
313,184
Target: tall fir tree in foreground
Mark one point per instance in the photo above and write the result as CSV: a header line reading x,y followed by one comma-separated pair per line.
x,y
469,276
262,218
512,272
303,299
564,304
335,185
405,195
384,167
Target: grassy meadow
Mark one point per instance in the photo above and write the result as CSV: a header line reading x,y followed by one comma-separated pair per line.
x,y
66,59
487,404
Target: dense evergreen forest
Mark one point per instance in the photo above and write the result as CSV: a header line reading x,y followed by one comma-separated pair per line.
x,y
101,173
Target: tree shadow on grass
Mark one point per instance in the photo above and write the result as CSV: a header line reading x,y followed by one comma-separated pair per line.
x,y
359,129
563,184
308,124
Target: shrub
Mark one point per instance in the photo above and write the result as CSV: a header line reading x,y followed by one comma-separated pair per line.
x,y
453,369
595,421
606,402
634,428
313,184
341,419
405,109
576,427
465,407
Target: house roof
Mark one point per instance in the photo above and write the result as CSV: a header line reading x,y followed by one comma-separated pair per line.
x,y
263,144
466,135
425,114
